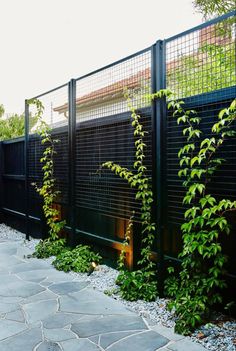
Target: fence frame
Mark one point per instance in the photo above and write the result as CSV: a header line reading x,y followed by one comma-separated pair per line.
x,y
159,145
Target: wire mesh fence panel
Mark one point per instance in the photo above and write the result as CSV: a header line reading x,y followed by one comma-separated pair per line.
x,y
104,133
58,124
200,69
203,60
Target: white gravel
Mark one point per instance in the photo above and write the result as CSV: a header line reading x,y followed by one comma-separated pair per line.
x,y
214,337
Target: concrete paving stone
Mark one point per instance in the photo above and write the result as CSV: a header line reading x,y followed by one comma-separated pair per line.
x,y
23,251
49,346
94,339
58,334
31,265
92,325
61,320
36,274
19,288
79,345
167,332
108,339
37,311
186,345
45,295
147,341
8,307
46,283
8,248
25,341
11,299
16,316
68,287
10,328
9,262
89,301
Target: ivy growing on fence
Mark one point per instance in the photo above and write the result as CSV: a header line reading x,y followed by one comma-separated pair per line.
x,y
48,188
200,279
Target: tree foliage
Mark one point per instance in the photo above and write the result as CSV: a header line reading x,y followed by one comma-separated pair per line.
x,y
14,125
213,8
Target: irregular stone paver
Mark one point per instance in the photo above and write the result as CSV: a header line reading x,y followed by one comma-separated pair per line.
x,y
61,320
9,328
30,266
58,334
68,315
8,307
67,288
167,332
89,301
16,316
186,345
109,339
9,262
22,342
20,288
79,345
48,346
91,325
8,248
147,341
40,275
45,295
40,310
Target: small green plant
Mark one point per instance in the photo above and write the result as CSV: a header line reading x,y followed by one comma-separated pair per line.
x,y
46,248
47,190
137,285
79,259
200,279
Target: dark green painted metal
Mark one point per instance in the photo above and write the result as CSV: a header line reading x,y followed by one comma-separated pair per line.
x,y
27,169
158,144
72,156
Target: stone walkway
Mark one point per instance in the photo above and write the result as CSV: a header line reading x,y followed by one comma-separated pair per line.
x,y
42,309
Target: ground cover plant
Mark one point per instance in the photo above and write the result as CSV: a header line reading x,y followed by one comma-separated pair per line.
x,y
80,259
201,277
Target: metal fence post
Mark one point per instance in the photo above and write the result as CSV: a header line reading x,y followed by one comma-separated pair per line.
x,y
158,152
72,158
26,151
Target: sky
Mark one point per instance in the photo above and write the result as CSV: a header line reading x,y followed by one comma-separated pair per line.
x,y
45,43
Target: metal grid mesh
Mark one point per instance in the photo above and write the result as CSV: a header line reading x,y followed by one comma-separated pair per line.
x,y
59,126
202,61
104,133
200,68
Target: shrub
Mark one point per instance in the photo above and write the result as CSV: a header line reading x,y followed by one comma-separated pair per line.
x,y
48,247
78,260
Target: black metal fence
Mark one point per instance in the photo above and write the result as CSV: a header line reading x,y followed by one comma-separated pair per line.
x,y
91,118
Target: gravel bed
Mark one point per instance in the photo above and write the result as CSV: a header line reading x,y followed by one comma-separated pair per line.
x,y
220,336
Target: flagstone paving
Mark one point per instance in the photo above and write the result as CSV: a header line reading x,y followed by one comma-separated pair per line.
x,y
42,309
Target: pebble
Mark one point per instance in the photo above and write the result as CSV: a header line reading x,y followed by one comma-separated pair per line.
x,y
212,336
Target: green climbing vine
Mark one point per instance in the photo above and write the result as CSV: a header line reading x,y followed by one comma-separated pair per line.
x,y
47,189
200,279
139,284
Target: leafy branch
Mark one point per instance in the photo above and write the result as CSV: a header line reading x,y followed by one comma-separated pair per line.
x,y
47,190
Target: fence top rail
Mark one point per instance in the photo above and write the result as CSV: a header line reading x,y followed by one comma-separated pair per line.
x,y
203,25
12,141
114,63
49,91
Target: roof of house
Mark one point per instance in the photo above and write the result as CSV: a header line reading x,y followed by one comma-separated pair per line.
x,y
110,91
